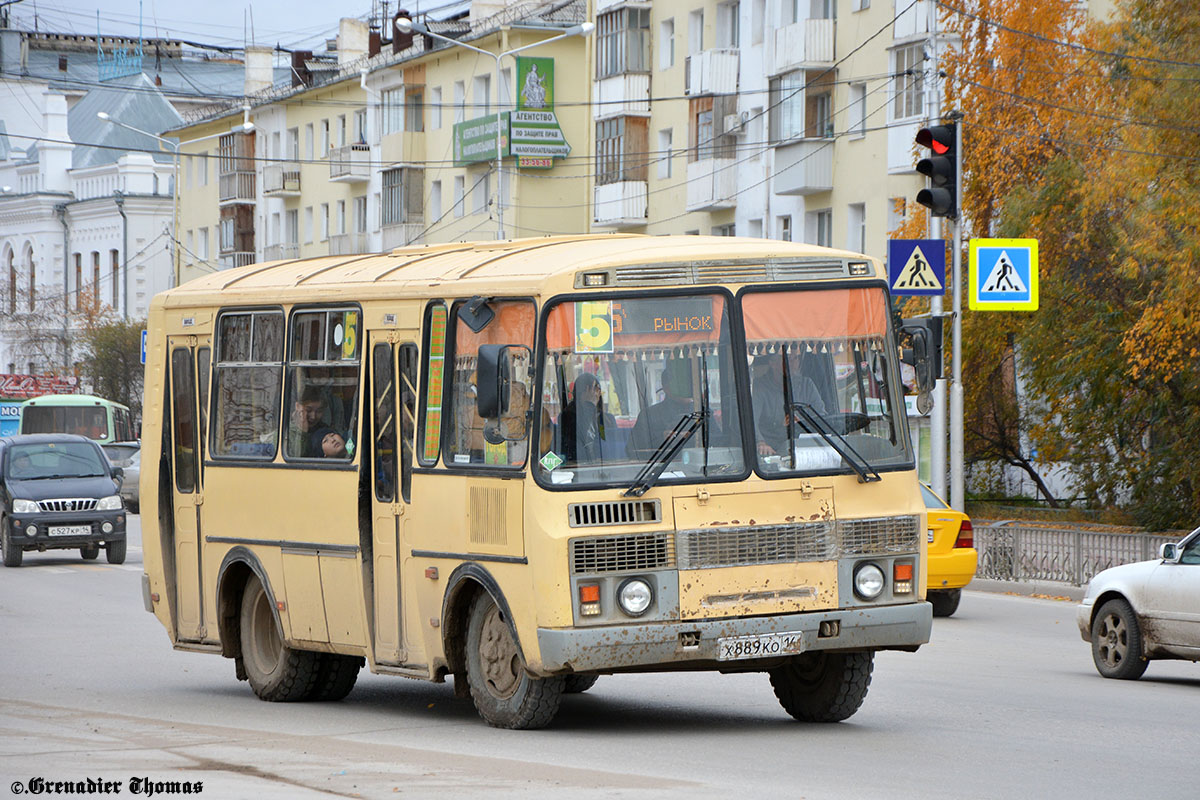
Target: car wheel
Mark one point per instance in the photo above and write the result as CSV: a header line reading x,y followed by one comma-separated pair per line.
x,y
89,552
1117,642
115,551
505,695
276,672
945,601
823,687
12,554
577,684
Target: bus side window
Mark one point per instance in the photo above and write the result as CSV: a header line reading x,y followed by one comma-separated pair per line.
x,y
513,324
429,430
246,381
384,423
408,415
322,385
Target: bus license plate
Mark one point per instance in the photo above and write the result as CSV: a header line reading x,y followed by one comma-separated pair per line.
x,y
760,645
71,530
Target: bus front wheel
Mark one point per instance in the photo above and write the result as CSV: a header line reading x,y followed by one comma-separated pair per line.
x,y
823,687
505,695
276,672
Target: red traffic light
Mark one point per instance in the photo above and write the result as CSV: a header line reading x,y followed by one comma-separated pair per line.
x,y
938,138
941,168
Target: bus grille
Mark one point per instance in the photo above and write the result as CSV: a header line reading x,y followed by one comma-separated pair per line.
x,y
80,504
762,544
878,535
638,551
617,512
704,272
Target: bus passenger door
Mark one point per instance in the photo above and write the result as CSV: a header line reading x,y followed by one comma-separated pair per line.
x,y
393,408
186,489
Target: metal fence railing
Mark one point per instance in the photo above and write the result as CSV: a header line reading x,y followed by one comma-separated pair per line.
x,y
1010,552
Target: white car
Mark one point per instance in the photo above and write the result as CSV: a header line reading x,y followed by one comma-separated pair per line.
x,y
1151,609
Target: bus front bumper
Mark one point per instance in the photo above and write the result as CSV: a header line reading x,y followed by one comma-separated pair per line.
x,y
622,647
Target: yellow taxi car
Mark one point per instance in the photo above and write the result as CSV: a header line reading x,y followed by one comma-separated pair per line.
x,y
952,555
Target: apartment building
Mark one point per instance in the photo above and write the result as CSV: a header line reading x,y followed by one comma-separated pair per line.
x,y
381,143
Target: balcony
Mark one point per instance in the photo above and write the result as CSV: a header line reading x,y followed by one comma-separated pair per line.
x,y
621,95
348,244
236,187
405,147
804,166
804,43
281,252
401,234
350,164
712,72
620,205
281,180
711,184
236,259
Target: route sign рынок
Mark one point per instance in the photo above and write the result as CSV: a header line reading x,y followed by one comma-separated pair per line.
x,y
917,267
1003,275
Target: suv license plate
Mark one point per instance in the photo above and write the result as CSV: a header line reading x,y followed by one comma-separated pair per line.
x,y
762,645
71,530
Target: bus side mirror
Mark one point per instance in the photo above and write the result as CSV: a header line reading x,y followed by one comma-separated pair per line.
x,y
502,390
492,380
925,355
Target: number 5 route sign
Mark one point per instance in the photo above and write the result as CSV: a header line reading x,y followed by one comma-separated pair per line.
x,y
1003,275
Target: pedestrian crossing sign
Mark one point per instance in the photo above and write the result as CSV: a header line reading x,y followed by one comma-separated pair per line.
x,y
1003,275
917,267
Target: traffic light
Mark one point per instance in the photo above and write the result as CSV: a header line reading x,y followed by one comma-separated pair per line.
x,y
942,168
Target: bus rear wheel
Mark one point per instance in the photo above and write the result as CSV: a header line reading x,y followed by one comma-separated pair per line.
x,y
276,672
336,675
823,687
505,695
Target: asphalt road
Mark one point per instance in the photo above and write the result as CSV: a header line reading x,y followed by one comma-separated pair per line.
x,y
1004,703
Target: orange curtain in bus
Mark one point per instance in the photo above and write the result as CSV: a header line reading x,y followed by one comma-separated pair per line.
x,y
815,314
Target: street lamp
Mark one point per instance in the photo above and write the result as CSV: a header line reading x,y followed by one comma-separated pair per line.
x,y
406,25
246,127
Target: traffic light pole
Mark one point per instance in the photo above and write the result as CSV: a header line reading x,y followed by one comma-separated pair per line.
x,y
957,481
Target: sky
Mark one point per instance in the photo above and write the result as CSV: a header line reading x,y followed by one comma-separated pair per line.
x,y
290,23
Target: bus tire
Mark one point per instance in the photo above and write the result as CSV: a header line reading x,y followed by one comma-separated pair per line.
x,y
276,672
576,684
115,551
12,554
336,675
89,552
945,601
823,687
505,695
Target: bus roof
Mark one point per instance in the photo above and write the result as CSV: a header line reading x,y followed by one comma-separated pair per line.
x,y
519,265
70,400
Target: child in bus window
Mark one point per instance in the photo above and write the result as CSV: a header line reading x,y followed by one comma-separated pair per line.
x,y
328,443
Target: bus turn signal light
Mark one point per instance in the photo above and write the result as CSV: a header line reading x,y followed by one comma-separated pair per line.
x,y
902,575
589,600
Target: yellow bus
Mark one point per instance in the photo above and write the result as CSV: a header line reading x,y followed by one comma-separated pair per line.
x,y
525,464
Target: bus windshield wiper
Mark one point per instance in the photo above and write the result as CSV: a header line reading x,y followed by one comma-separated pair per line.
x,y
819,425
684,429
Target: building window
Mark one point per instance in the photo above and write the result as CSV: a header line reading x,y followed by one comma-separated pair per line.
x,y
785,228
435,202
391,109
695,32
360,214
401,197
787,106
460,101
860,5
293,144
78,283
203,244
819,108
909,63
665,156
856,227
360,126
483,95
33,281
202,168
341,216
623,42
95,298
709,137
414,110
728,29
725,230
459,191
820,227
435,108
481,194
324,222
897,213
308,224
621,145
309,143
341,130
758,14
666,44
858,109
324,138
115,255
291,226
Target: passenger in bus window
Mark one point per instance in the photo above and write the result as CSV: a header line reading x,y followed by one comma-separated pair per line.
x,y
328,443
655,423
585,425
308,414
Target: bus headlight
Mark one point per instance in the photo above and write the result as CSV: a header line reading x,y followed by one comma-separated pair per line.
x,y
24,506
634,597
112,503
868,581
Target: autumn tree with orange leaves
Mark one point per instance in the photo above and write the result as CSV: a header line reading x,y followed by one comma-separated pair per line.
x,y
1085,135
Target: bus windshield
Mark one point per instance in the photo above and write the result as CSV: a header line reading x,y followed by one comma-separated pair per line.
x,y
89,421
823,381
620,375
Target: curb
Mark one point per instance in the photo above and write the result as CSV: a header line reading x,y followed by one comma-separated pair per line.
x,y
1050,589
